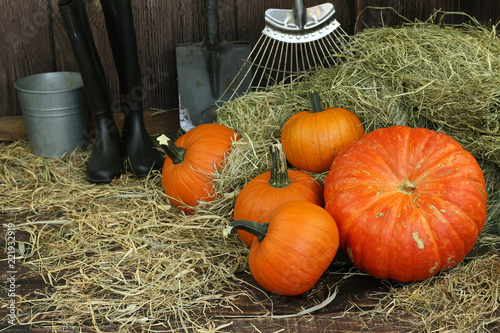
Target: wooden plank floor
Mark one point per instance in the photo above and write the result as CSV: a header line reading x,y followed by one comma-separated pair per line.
x,y
156,122
357,292
331,318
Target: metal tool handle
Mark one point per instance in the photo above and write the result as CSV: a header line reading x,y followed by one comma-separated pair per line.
x,y
211,16
298,20
299,13
211,22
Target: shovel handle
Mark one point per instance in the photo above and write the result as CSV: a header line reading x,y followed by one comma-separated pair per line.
x,y
299,13
211,22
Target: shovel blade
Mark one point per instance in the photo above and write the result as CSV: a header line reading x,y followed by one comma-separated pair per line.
x,y
198,91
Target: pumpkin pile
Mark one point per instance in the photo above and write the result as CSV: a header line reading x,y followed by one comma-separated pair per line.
x,y
267,191
403,203
157,263
292,238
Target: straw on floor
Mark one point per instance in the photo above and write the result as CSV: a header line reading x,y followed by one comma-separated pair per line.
x,y
121,254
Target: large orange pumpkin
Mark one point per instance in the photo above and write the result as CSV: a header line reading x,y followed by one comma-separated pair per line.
x,y
291,252
261,195
409,203
191,162
312,139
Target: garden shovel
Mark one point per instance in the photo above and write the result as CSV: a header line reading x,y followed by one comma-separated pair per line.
x,y
207,70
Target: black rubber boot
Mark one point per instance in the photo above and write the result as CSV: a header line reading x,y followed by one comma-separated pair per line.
x,y
106,160
138,148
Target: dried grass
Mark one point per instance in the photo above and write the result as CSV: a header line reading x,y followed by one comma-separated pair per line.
x,y
116,254
121,254
466,299
444,78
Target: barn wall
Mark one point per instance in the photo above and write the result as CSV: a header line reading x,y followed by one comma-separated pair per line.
x,y
34,39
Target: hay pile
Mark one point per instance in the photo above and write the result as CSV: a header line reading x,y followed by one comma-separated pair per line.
x,y
466,299
445,78
116,254
121,254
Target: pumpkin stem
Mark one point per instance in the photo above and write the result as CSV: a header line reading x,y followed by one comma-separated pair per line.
x,y
279,172
259,230
407,186
316,102
175,153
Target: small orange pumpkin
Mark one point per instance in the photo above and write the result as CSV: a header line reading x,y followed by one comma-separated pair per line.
x,y
261,195
312,139
290,253
191,161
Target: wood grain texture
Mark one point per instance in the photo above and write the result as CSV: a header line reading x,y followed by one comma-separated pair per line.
x,y
370,14
35,41
26,47
487,12
356,294
12,128
345,13
156,122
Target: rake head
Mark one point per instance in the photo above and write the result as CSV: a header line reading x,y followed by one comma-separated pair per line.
x,y
292,42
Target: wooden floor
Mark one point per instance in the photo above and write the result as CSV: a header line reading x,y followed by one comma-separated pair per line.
x,y
357,293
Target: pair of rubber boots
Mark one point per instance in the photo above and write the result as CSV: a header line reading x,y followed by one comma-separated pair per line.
x,y
112,155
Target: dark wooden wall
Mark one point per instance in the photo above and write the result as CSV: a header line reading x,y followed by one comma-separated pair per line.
x,y
33,38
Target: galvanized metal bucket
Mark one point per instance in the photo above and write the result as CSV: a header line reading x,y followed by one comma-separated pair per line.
x,y
55,112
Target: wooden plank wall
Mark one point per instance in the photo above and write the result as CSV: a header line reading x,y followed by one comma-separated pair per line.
x,y
34,40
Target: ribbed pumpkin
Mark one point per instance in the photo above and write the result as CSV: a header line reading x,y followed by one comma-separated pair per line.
x,y
409,203
191,162
312,139
292,250
261,195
